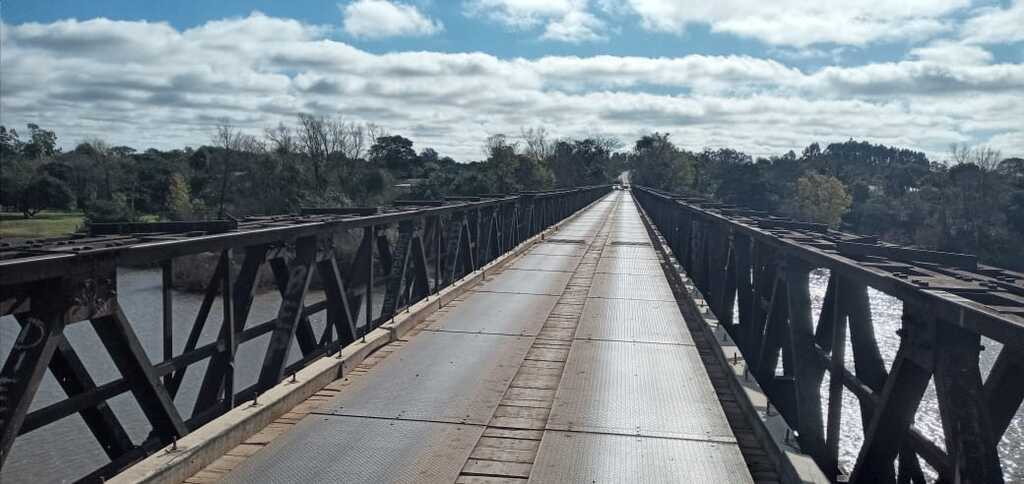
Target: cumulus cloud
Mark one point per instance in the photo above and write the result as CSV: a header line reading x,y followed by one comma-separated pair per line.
x,y
993,25
148,84
375,19
563,20
949,52
800,23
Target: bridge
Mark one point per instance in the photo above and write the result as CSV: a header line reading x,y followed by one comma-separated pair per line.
x,y
583,335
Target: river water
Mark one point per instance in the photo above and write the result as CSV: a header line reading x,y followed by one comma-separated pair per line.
x,y
66,450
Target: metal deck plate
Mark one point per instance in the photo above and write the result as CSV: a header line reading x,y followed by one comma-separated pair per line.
x,y
630,286
570,457
331,449
646,389
613,265
437,376
538,262
583,224
494,312
576,234
527,282
629,252
629,320
558,249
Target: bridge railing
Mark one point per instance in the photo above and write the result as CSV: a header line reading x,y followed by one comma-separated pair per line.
x,y
753,269
403,254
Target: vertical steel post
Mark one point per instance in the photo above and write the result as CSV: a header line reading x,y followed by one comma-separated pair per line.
x,y
227,301
167,283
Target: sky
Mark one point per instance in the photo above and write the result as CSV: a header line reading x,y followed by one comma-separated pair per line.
x,y
761,76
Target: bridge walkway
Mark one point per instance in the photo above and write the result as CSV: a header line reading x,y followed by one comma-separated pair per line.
x,y
573,364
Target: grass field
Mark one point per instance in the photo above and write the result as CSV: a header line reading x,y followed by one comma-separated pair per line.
x,y
44,224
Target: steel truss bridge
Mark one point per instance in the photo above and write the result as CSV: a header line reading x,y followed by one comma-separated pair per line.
x,y
579,360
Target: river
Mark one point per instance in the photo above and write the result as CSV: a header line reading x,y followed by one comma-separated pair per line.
x,y
66,450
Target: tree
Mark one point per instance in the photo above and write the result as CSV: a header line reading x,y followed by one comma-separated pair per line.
x,y
232,141
820,199
103,159
581,162
394,153
42,143
179,198
114,210
657,163
10,144
537,143
44,192
985,157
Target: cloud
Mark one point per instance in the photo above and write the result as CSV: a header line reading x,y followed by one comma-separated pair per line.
x,y
148,84
993,25
799,23
563,20
949,52
376,19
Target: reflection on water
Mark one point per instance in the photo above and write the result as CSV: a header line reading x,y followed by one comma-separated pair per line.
x,y
66,450
886,312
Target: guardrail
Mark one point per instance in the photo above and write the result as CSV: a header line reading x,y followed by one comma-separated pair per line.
x,y
753,269
406,252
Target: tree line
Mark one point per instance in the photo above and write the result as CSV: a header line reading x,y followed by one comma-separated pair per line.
x,y
973,202
315,162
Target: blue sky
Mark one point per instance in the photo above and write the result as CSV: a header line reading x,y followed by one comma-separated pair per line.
x,y
761,76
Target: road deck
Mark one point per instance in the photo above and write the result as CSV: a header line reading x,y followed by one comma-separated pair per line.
x,y
573,364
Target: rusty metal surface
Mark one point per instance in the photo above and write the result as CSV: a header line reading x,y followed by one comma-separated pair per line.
x,y
571,457
333,449
645,389
437,376
636,321
500,313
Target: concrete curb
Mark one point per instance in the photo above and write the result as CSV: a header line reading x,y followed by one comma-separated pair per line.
x,y
206,444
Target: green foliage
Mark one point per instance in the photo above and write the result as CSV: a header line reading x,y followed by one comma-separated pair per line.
x,y
43,192
10,145
179,198
581,162
42,143
396,154
658,163
511,172
116,209
975,205
821,199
